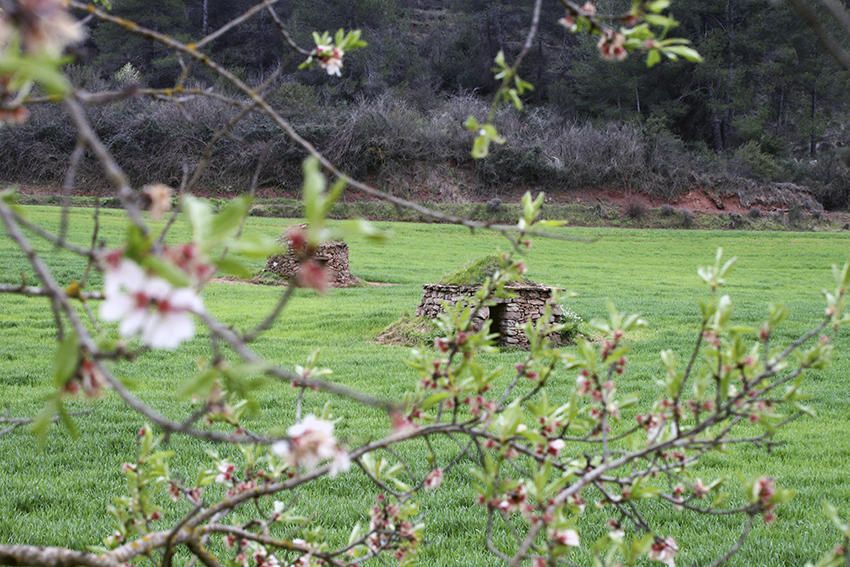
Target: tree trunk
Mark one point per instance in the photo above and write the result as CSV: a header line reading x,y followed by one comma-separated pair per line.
x,y
812,144
205,26
539,86
730,71
716,122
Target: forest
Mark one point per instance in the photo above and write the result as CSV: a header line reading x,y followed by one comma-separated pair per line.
x,y
766,106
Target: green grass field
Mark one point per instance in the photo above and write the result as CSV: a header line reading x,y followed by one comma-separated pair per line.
x,y
58,495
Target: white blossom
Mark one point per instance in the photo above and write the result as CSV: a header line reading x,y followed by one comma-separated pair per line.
x,y
225,472
148,305
568,537
330,59
45,26
556,446
664,551
434,479
310,442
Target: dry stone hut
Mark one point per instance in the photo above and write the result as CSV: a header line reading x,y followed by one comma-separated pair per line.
x,y
527,303
333,255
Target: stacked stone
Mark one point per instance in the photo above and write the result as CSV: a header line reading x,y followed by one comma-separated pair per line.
x,y
334,255
528,304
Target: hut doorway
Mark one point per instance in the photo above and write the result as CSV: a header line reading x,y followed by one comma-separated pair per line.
x,y
497,320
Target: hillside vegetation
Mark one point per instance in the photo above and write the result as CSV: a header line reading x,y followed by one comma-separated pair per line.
x,y
764,115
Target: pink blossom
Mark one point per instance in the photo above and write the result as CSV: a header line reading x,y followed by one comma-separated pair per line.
x,y
700,490
91,378
584,384
568,537
664,551
402,424
159,196
311,441
45,27
588,9
225,472
330,59
434,479
612,48
313,275
555,447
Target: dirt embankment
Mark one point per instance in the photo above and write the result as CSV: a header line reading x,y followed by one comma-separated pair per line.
x,y
775,197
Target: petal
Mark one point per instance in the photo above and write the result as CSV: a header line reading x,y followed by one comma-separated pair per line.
x,y
115,306
186,298
168,331
131,274
157,288
340,463
133,322
127,276
281,448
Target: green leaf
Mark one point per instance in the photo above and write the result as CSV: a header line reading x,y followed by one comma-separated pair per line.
x,y
688,53
480,147
234,267
512,94
42,422
67,359
653,58
138,244
10,199
366,229
256,246
200,214
313,187
200,385
166,270
661,21
552,223
66,419
227,221
25,69
334,194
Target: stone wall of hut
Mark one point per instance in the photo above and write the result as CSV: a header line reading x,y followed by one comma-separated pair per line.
x,y
508,315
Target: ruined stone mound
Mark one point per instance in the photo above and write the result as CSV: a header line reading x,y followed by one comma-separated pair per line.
x,y
333,255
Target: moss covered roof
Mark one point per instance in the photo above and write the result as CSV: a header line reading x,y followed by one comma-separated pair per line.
x,y
475,272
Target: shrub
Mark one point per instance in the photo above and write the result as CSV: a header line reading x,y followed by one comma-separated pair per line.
x,y
127,75
635,210
572,325
410,331
751,161
735,220
795,214
667,210
754,213
687,218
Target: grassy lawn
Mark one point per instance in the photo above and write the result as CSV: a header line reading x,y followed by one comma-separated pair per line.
x,y
58,495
